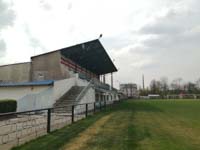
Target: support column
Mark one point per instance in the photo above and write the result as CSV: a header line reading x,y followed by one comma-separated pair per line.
x,y
104,79
111,85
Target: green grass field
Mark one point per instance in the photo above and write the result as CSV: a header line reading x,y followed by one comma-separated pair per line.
x,y
132,125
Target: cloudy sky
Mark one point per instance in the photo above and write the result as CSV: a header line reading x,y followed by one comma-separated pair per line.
x,y
156,37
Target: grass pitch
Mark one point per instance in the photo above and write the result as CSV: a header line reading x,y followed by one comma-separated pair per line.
x,y
132,125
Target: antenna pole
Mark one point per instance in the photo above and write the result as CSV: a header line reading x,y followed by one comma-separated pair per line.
x,y
143,81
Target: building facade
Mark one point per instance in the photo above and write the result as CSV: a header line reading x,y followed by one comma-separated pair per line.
x,y
19,72
129,90
79,67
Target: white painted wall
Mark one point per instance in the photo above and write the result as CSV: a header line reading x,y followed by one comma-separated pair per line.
x,y
19,92
80,82
38,97
62,86
47,97
28,97
40,100
89,97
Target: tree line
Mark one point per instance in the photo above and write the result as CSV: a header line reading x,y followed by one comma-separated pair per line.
x,y
177,86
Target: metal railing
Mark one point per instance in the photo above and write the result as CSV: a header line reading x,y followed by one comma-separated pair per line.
x,y
92,83
101,85
18,126
84,91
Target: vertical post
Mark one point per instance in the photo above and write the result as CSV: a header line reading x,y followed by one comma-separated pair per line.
x,y
86,110
72,113
105,104
143,81
104,79
111,81
49,121
94,107
100,106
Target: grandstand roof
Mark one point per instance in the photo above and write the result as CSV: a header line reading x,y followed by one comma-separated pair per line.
x,y
90,55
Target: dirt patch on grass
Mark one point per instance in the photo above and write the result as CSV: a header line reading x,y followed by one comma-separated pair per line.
x,y
81,141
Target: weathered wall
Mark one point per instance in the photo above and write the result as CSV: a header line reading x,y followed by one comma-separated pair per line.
x,y
29,97
89,97
43,99
63,86
23,128
38,97
15,72
47,67
66,71
70,68
19,92
47,97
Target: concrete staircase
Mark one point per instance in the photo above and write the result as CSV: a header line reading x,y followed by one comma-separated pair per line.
x,y
67,100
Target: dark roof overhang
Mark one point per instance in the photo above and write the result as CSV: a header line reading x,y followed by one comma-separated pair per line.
x,y
90,55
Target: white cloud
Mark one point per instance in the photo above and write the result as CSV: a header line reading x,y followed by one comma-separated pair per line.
x,y
7,18
157,38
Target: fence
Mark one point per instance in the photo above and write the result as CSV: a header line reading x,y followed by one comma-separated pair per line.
x,y
183,96
18,128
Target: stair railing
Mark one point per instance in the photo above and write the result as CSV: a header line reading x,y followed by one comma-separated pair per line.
x,y
84,91
99,85
92,82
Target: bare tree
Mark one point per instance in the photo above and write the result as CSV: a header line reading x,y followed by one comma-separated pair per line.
x,y
164,85
155,86
198,84
177,84
190,88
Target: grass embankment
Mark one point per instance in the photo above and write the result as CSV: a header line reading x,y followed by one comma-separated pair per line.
x,y
133,125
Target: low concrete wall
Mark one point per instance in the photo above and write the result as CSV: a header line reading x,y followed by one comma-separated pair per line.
x,y
24,128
